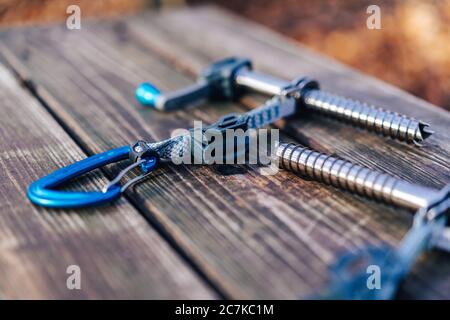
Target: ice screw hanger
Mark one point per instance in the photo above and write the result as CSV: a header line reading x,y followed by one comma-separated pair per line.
x,y
231,77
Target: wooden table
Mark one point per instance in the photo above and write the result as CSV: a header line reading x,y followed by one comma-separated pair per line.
x,y
189,231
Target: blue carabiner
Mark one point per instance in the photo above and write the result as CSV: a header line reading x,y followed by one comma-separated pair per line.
x,y
40,192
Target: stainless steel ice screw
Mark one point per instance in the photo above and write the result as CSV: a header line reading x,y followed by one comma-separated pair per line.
x,y
369,117
311,98
230,78
348,176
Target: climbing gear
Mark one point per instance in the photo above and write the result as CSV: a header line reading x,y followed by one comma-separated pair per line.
x,y
226,79
231,77
348,176
41,192
145,156
428,231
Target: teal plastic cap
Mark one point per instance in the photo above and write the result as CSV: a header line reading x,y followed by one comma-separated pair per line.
x,y
147,94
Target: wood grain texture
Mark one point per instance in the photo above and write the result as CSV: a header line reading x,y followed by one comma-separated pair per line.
x,y
119,254
254,236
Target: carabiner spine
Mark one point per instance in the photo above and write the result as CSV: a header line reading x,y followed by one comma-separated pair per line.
x,y
41,191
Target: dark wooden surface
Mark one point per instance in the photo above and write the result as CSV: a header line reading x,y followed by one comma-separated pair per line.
x,y
118,253
207,232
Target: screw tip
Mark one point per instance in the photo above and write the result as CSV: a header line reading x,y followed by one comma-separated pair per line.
x,y
424,131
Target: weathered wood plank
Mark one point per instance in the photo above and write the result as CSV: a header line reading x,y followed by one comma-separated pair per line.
x,y
253,236
119,254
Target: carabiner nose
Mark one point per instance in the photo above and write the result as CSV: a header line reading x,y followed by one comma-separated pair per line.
x,y
40,192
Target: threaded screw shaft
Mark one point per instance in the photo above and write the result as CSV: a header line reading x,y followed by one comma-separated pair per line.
x,y
348,176
367,116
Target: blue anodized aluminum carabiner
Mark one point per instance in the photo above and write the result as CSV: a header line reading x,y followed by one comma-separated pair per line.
x,y
41,192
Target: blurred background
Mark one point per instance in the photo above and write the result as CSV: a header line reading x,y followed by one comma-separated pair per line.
x,y
411,51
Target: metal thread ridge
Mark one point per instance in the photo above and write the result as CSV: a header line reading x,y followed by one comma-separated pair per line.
x,y
367,116
337,172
